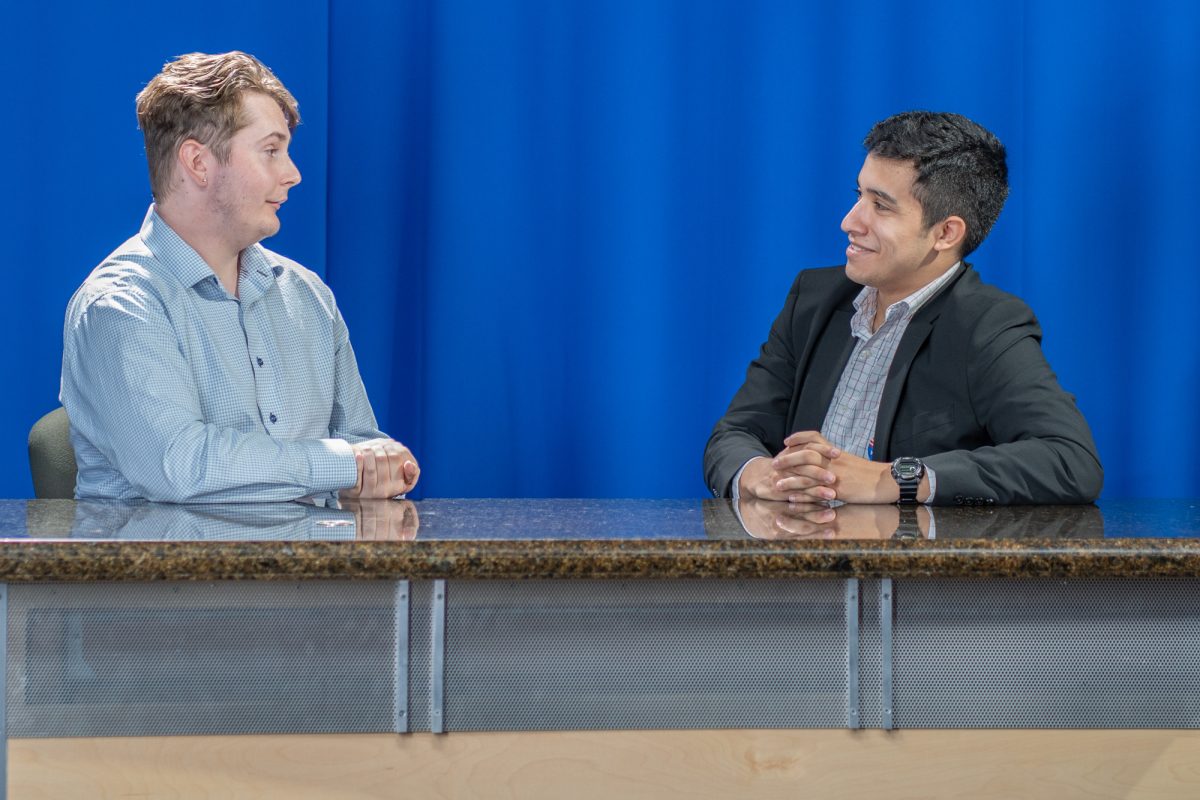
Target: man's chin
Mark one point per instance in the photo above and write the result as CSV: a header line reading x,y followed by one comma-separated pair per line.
x,y
268,230
856,273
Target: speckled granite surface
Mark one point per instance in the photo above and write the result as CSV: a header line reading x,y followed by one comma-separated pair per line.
x,y
54,540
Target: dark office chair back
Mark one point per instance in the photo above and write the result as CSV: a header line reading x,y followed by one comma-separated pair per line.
x,y
51,457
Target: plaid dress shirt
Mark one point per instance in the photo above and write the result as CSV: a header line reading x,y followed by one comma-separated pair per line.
x,y
850,421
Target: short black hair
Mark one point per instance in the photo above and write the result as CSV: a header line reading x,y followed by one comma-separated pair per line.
x,y
961,167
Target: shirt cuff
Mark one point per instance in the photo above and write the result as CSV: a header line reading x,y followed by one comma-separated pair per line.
x,y
737,476
331,465
932,486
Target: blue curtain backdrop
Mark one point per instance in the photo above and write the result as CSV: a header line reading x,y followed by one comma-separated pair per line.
x,y
560,229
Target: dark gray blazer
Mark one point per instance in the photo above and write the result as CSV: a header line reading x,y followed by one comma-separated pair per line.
x,y
969,392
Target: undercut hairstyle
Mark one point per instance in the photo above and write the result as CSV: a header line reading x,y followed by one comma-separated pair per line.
x,y
961,168
199,96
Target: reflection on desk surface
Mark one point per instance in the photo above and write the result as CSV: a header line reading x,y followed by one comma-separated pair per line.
x,y
767,519
583,520
328,520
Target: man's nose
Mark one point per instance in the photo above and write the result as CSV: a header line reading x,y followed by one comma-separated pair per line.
x,y
292,176
852,222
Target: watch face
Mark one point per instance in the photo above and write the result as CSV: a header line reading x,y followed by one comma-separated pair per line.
x,y
907,470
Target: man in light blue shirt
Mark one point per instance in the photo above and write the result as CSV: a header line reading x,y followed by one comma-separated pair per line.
x,y
199,366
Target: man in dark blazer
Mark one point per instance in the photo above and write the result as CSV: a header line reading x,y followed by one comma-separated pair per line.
x,y
901,376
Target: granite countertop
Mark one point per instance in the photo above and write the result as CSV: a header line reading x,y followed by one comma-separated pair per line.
x,y
61,540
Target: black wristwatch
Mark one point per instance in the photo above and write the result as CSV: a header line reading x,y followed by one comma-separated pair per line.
x,y
908,473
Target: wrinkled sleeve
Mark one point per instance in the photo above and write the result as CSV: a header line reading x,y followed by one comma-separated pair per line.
x,y
1044,452
352,418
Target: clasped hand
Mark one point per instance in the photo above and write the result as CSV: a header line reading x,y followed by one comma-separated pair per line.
x,y
386,468
810,469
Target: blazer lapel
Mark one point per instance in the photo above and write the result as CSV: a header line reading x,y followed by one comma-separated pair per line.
x,y
817,382
910,344
914,337
814,362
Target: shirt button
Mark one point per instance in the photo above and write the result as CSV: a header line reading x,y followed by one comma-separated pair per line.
x,y
274,418
260,362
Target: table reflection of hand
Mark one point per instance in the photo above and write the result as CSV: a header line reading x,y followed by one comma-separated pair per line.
x,y
769,519
383,520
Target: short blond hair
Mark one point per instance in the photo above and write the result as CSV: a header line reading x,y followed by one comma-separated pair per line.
x,y
199,96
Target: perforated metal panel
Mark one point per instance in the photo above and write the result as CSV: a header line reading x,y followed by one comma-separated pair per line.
x,y
641,654
1065,654
145,659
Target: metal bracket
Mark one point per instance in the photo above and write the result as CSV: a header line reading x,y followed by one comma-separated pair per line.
x,y
437,666
400,678
886,604
852,614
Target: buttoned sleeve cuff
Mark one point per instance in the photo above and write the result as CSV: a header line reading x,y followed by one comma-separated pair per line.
x,y
331,465
932,487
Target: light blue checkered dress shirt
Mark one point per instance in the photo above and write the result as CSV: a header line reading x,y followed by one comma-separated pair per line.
x,y
850,420
854,410
179,392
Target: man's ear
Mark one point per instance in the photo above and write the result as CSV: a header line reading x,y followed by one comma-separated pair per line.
x,y
951,233
194,161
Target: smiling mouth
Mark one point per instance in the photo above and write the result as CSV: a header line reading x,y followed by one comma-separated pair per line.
x,y
855,249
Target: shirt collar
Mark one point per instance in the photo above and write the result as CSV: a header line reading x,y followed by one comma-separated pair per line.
x,y
258,267
866,302
172,251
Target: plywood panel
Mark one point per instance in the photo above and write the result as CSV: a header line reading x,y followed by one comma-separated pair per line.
x,y
626,764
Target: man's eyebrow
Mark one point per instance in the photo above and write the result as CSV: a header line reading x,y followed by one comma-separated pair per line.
x,y
884,196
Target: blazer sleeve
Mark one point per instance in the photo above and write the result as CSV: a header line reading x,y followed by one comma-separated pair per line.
x,y
754,424
1044,451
